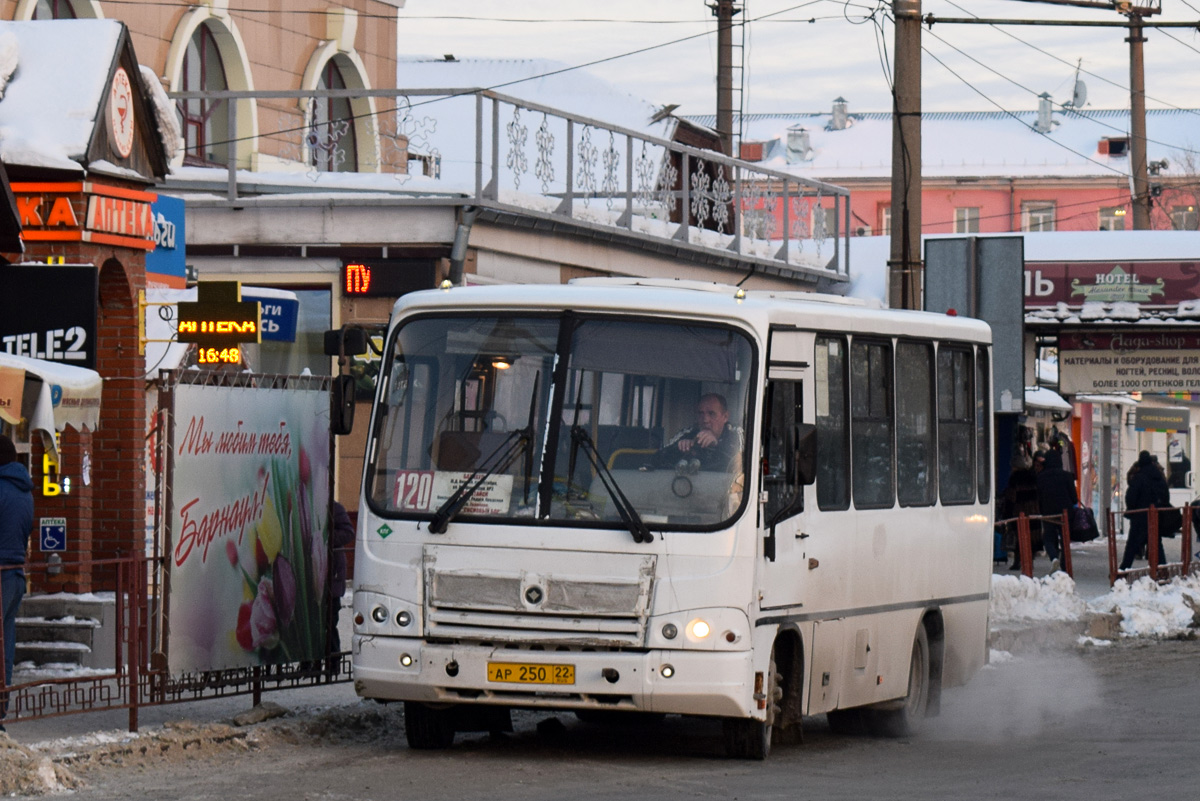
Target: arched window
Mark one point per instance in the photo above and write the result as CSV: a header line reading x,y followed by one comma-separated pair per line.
x,y
205,122
54,9
331,140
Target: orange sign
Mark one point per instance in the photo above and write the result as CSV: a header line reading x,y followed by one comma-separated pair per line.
x,y
49,212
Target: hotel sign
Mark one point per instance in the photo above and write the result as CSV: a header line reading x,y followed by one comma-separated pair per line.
x,y
85,211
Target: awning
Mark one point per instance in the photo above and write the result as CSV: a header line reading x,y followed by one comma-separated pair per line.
x,y
1042,398
68,396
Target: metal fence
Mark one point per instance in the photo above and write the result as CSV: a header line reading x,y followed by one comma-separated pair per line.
x,y
540,163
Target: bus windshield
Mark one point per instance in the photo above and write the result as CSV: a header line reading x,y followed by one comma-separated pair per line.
x,y
557,418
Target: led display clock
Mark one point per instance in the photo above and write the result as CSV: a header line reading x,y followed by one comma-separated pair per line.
x,y
386,278
219,321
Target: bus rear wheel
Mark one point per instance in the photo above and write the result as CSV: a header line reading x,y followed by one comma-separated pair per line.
x,y
427,728
907,718
747,738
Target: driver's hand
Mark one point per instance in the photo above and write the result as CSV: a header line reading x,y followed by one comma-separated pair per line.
x,y
685,445
706,439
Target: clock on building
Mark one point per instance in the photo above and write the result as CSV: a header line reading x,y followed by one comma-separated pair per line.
x,y
120,113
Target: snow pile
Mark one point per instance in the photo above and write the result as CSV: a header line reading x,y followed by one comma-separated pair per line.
x,y
1019,598
1149,609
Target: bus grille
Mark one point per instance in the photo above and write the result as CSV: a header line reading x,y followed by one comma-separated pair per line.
x,y
479,606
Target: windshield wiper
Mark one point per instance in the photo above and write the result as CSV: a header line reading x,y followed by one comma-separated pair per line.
x,y
499,460
581,440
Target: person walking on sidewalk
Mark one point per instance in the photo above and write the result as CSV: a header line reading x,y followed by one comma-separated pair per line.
x,y
16,521
1056,492
1147,487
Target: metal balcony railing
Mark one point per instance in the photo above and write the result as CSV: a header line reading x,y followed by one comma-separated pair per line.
x,y
521,158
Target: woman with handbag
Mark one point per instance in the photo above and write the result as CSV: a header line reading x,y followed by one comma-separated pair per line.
x,y
1147,487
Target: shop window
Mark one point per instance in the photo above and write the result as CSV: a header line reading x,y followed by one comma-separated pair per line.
x,y
205,122
332,145
885,220
313,319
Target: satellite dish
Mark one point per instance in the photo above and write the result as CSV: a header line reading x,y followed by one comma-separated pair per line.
x,y
1079,99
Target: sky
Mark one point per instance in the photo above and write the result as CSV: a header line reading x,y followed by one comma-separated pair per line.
x,y
801,54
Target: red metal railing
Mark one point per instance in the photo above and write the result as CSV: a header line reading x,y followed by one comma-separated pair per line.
x,y
1025,540
1157,569
139,677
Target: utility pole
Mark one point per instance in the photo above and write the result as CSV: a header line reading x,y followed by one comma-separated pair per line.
x,y
724,11
905,269
1141,199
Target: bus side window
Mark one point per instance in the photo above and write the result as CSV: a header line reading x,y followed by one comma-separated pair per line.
x,y
916,457
956,424
783,412
871,428
833,448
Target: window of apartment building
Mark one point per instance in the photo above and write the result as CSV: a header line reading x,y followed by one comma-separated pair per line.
x,y
332,144
966,220
205,122
1037,215
1112,218
885,220
54,9
1185,218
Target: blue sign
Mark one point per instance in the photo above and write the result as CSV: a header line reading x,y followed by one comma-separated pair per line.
x,y
278,316
52,534
166,265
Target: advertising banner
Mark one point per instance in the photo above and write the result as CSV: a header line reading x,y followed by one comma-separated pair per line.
x,y
62,330
1131,360
249,546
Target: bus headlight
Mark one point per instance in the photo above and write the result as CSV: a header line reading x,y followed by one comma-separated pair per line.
x,y
405,660
699,629
666,671
403,618
670,631
379,614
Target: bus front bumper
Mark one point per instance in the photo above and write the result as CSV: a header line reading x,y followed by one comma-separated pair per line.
x,y
717,683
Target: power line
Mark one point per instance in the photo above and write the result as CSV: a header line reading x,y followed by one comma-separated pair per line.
x,y
1048,54
515,81
1062,106
1017,118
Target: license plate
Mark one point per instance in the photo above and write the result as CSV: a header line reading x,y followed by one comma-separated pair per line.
x,y
525,673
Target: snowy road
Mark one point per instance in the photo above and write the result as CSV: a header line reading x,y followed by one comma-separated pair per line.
x,y
1092,723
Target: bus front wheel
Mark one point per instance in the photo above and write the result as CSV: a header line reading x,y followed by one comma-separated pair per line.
x,y
428,728
747,738
906,719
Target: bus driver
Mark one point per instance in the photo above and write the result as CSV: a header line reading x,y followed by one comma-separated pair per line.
x,y
711,444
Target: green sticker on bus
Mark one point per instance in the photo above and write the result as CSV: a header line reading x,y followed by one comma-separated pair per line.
x,y
383,531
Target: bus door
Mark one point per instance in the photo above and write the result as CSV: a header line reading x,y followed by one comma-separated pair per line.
x,y
783,536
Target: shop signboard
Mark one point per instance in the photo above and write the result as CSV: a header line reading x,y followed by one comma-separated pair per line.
x,y
248,548
1154,283
48,311
166,265
1129,360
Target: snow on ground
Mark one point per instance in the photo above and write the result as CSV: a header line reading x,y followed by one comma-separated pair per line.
x,y
1147,609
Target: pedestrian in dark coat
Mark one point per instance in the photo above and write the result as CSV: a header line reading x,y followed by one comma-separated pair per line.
x,y
342,536
16,521
1021,497
1147,487
1056,492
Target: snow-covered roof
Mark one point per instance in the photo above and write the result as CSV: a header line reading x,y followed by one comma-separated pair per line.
x,y
49,105
1042,398
972,143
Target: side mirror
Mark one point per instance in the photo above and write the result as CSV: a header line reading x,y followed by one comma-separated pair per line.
x,y
806,453
345,341
341,405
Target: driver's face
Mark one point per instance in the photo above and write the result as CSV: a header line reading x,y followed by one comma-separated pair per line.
x,y
711,417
